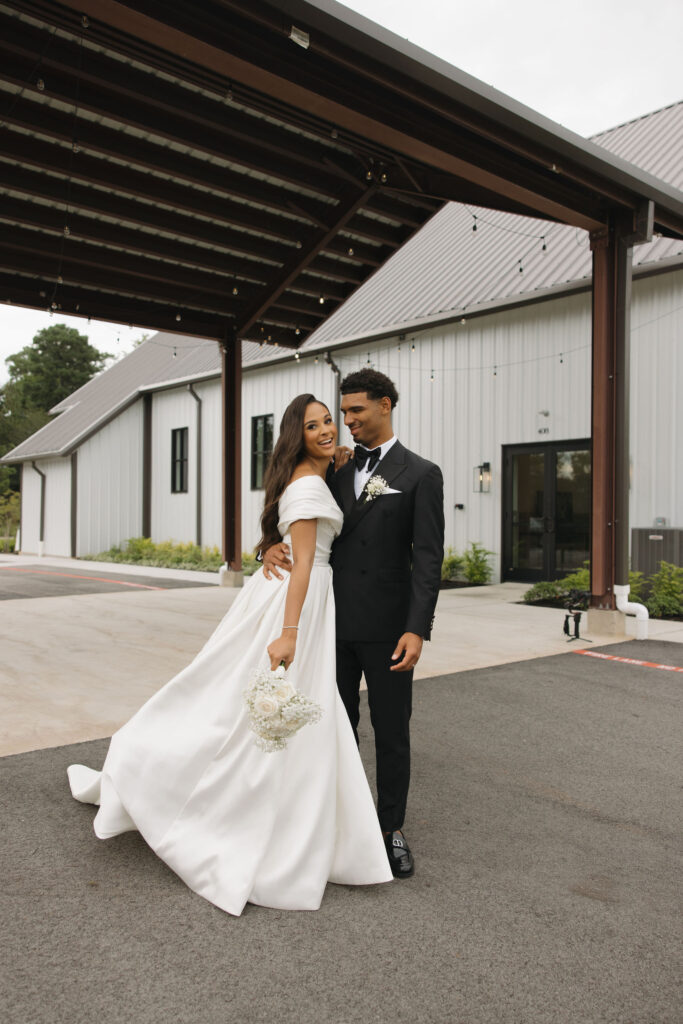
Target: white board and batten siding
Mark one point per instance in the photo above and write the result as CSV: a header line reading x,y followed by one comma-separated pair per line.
x,y
269,391
174,516
57,539
212,455
657,400
110,483
30,509
466,390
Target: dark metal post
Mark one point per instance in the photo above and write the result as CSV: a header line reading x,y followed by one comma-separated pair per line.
x,y
610,414
231,393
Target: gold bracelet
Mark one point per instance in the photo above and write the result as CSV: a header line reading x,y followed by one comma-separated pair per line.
x,y
290,627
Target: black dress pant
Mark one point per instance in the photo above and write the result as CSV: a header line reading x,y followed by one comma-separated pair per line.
x,y
390,700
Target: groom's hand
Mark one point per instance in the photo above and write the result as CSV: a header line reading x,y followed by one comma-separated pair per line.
x,y
276,558
408,651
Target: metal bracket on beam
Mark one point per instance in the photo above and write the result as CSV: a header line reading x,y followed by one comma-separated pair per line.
x,y
599,239
643,224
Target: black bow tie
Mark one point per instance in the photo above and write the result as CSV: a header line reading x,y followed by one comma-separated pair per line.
x,y
362,455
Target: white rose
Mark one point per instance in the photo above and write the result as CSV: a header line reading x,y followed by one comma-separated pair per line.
x,y
265,705
279,672
284,691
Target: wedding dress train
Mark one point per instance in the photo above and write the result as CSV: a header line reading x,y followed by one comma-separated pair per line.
x,y
236,824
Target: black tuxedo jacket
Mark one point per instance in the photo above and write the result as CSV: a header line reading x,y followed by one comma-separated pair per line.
x,y
387,559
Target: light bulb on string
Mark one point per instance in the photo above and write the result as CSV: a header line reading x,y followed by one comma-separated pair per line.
x,y
474,222
178,318
544,246
412,347
431,378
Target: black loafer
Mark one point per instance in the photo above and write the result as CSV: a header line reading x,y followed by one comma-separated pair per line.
x,y
398,852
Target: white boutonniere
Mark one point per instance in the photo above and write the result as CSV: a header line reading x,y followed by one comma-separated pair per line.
x,y
375,486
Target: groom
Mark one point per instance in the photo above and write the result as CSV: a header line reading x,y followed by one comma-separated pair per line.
x,y
386,572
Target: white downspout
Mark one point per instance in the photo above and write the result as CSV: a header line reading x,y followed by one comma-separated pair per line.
x,y
632,608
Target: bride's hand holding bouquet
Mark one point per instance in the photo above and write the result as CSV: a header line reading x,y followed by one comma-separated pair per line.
x,y
282,650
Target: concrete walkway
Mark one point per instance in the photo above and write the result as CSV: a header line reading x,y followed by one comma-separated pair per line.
x,y
75,668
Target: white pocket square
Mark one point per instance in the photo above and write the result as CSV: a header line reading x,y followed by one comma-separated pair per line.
x,y
390,490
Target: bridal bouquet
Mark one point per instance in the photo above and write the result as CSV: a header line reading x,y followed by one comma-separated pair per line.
x,y
276,709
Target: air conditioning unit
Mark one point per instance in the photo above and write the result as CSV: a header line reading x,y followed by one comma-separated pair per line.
x,y
652,545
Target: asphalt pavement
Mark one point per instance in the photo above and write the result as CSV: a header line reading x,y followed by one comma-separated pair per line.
x,y
18,582
545,820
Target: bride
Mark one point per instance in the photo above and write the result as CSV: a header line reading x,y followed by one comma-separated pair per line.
x,y
235,823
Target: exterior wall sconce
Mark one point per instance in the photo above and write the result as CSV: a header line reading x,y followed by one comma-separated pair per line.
x,y
482,478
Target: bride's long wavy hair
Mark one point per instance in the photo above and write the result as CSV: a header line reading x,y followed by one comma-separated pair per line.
x,y
287,454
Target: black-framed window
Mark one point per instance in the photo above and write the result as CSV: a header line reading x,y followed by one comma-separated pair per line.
x,y
179,460
261,448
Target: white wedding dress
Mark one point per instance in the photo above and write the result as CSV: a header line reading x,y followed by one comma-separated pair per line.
x,y
236,824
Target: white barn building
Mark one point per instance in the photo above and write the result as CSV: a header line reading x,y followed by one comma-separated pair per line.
x,y
482,319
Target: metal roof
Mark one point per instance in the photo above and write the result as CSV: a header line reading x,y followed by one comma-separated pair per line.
x,y
237,168
447,269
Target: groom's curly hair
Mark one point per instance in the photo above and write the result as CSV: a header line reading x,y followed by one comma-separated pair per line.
x,y
375,384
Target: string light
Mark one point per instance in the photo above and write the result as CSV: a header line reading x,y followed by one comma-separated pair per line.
x,y
178,317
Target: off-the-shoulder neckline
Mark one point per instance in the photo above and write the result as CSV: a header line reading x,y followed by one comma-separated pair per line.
x,y
309,476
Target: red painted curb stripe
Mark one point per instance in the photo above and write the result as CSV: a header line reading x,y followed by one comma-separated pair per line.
x,y
630,661
75,576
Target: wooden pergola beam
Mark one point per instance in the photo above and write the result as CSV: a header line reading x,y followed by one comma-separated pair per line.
x,y
349,204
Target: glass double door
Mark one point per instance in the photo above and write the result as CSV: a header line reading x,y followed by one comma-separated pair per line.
x,y
546,511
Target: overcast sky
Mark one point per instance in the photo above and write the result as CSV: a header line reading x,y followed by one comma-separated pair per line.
x,y
590,65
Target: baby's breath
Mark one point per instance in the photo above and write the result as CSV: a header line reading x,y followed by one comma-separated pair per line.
x,y
276,709
375,486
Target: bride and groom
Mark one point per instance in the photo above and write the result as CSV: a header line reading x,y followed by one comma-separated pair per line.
x,y
357,598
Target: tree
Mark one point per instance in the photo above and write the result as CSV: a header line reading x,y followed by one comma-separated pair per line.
x,y
57,362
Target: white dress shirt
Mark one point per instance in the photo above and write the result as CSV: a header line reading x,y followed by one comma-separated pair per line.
x,y
361,476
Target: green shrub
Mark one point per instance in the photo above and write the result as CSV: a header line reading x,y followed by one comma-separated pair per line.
x,y
10,514
641,586
637,583
452,565
476,567
143,551
544,590
249,563
666,591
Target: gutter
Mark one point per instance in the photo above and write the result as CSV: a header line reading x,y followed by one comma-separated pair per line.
x,y
41,530
199,463
337,391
